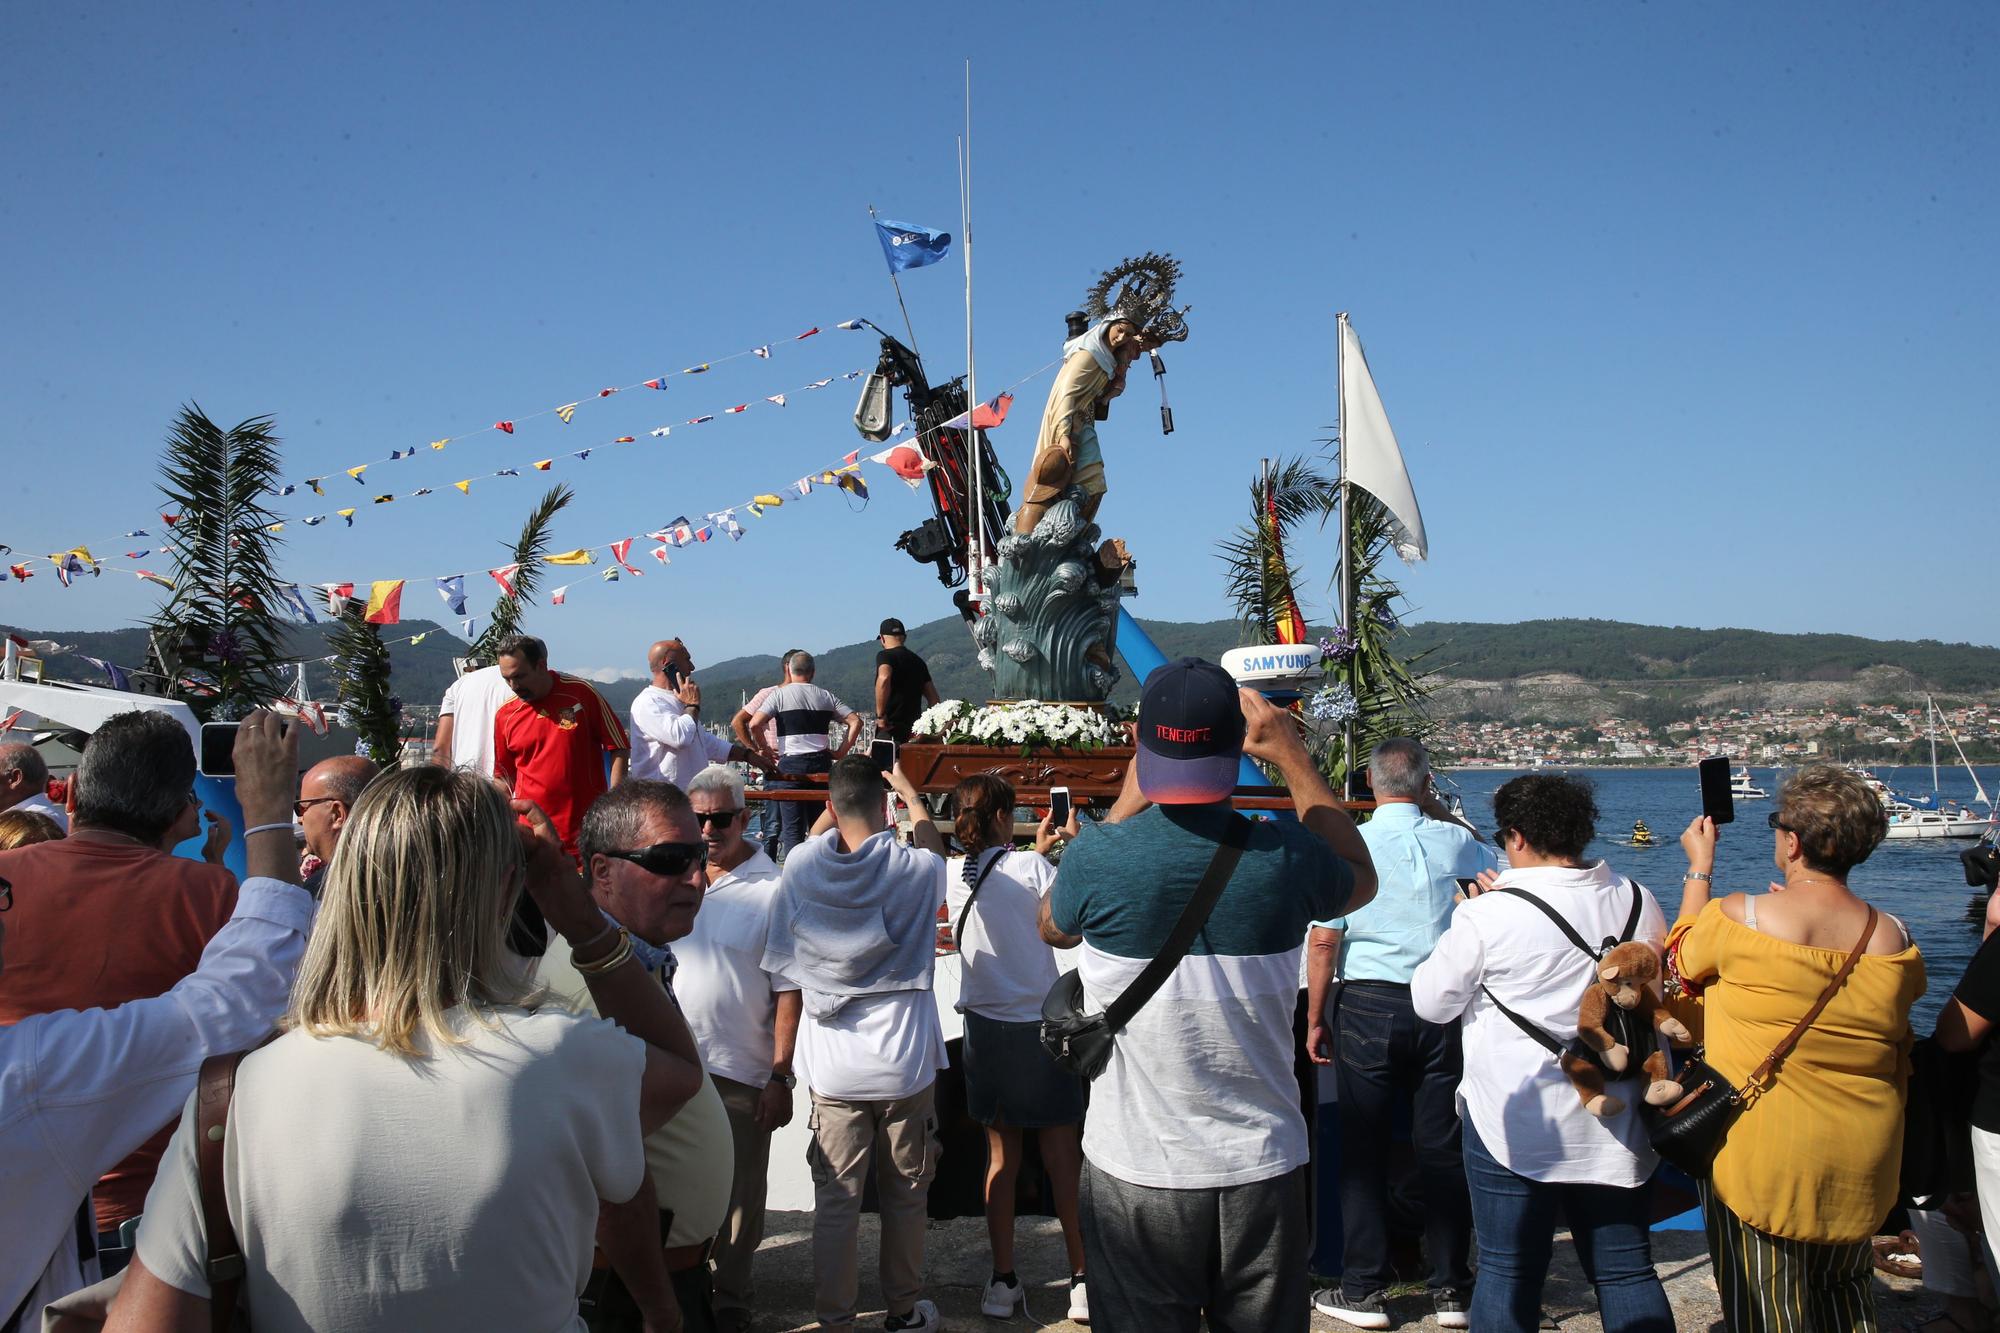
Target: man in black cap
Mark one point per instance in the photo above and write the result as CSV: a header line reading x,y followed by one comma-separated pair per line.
x,y
903,686
1194,1189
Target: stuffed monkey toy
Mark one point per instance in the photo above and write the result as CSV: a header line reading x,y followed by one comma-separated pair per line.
x,y
1620,1012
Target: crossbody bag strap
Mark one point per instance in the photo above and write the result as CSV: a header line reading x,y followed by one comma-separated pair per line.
x,y
225,1254
1784,1048
1235,835
1554,916
958,931
1632,917
1542,1038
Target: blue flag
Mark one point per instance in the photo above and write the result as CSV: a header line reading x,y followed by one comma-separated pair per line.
x,y
907,247
296,603
119,680
452,589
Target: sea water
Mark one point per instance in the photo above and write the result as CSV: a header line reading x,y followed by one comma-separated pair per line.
x,y
1920,881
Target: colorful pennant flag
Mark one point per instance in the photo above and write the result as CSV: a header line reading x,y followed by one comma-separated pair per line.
x,y
659,383
660,554
696,370
566,411
355,472
150,577
764,352
439,444
661,432
385,499
620,550
170,519
559,596
696,421
506,426
464,487
21,572
611,575
504,576
579,557
733,411
984,417
314,482
852,482
777,398
848,324
347,514
820,384
807,334
606,393
544,464
385,602
314,521
336,597
295,601
452,589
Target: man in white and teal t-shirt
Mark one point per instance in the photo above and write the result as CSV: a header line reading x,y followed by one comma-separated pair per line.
x,y
1194,1189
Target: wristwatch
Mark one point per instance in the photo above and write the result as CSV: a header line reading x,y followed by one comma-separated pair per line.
x,y
786,1077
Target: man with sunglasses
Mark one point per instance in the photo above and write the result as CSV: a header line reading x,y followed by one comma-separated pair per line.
x,y
326,793
643,855
745,1020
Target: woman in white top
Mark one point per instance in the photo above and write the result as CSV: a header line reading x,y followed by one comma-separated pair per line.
x,y
1532,1150
427,1145
994,894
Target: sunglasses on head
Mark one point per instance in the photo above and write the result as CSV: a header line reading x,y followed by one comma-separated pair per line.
x,y
1772,820
723,817
664,858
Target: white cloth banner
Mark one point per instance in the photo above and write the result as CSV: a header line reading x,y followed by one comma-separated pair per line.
x,y
1368,445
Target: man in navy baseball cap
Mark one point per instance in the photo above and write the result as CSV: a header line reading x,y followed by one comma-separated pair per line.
x,y
1190,734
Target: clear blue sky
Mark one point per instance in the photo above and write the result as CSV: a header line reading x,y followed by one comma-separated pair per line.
x,y
1685,313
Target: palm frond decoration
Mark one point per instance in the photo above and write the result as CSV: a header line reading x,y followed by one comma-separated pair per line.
x,y
361,670
222,621
1257,574
1389,691
527,553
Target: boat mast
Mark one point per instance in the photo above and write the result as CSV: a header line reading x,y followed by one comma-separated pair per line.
x,y
1930,722
975,554
1346,545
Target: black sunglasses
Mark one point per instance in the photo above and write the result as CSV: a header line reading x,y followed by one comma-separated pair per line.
x,y
722,817
664,858
6,894
1772,820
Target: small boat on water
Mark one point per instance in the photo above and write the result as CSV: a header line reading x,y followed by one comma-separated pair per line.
x,y
1936,817
1641,835
1743,789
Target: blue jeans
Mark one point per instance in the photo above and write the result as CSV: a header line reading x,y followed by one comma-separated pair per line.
x,y
795,818
1384,1054
1515,1219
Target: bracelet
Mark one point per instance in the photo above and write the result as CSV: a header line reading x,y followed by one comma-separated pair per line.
x,y
287,826
594,940
621,954
1700,875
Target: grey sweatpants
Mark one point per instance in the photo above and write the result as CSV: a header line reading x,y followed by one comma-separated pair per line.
x,y
1161,1259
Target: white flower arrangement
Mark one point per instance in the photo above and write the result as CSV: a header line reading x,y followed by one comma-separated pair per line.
x,y
1026,724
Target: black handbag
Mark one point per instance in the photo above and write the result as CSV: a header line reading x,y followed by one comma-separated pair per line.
x,y
1689,1132
1080,1042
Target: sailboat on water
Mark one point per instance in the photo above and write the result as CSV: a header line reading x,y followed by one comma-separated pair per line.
x,y
1933,816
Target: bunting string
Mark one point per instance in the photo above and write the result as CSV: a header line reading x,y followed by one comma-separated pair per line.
x,y
564,412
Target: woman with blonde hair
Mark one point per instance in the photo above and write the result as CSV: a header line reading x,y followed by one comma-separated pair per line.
x,y
428,1143
22,828
994,895
1807,1169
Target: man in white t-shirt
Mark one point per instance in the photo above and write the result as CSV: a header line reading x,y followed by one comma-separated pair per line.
x,y
465,720
745,1020
24,783
669,743
856,929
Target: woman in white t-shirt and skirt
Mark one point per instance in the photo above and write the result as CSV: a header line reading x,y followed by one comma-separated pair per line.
x,y
1011,1083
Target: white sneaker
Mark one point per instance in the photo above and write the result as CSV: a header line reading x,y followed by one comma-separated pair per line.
x,y
922,1319
1001,1300
1079,1302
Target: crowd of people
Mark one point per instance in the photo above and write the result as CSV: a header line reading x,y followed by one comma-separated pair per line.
x,y
523,1022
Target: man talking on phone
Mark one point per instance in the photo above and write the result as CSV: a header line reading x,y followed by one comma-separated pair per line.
x,y
669,742
1386,1052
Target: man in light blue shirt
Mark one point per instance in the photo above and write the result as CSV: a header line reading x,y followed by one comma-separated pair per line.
x,y
1386,1053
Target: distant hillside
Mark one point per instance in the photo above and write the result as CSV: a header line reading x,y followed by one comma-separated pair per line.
x,y
1481,665
419,672
1613,650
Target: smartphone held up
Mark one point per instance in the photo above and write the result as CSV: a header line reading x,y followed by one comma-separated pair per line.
x,y
1718,802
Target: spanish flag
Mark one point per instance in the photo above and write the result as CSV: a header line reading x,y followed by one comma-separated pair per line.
x,y
385,602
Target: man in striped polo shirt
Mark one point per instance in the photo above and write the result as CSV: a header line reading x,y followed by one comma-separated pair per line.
x,y
804,714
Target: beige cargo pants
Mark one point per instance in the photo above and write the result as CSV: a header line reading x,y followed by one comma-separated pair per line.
x,y
900,1139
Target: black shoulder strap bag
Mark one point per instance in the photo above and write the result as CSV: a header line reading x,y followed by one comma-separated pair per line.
x,y
1080,1042
1543,1039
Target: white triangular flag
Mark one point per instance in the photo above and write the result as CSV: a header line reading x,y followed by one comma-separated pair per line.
x,y
1371,458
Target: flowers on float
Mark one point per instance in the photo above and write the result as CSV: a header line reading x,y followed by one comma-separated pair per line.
x,y
1333,704
1337,646
1026,724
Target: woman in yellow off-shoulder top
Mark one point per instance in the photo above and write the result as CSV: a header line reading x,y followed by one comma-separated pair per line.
x,y
1807,1170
